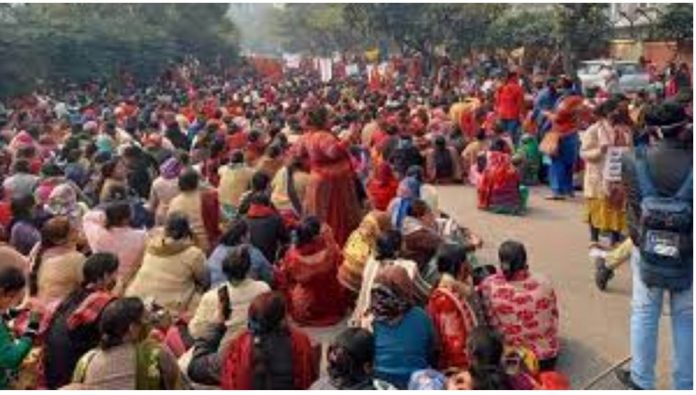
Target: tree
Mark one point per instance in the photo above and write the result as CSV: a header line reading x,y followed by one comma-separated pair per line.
x,y
54,42
316,28
421,28
582,31
521,29
257,25
676,23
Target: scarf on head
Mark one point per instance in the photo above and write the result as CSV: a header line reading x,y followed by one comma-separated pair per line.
x,y
386,305
171,168
63,201
408,191
392,295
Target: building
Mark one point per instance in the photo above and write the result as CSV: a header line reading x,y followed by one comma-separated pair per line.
x,y
634,21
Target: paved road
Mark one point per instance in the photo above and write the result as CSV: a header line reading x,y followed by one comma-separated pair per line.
x,y
594,325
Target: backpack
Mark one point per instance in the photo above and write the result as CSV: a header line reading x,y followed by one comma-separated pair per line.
x,y
666,231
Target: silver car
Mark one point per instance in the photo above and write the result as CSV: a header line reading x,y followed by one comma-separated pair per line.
x,y
596,73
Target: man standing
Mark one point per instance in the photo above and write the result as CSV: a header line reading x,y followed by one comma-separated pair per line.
x,y
509,101
660,206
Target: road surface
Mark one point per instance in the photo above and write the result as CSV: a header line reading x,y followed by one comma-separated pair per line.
x,y
594,325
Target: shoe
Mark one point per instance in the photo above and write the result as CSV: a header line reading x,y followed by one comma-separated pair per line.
x,y
602,274
624,377
597,245
555,197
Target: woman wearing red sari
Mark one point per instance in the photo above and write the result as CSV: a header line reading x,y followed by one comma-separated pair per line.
x,y
453,306
307,275
382,186
331,191
499,187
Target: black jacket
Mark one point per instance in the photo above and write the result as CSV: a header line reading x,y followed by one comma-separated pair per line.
x,y
267,234
669,163
206,364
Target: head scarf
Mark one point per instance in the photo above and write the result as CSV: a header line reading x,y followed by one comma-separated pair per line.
x,y
392,295
171,168
63,201
409,190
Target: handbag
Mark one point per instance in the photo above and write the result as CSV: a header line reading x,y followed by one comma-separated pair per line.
x,y
549,144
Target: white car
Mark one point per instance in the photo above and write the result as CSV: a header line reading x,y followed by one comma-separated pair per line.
x,y
596,73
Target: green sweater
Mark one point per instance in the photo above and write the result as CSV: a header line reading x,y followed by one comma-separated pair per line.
x,y
12,353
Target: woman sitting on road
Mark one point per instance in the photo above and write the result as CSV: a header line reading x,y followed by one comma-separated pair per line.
x,y
349,359
125,359
454,306
110,231
522,306
74,327
269,354
56,265
405,339
307,275
499,188
173,270
237,234
442,163
360,246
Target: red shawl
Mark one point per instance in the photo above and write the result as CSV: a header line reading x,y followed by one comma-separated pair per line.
x,y
236,141
210,210
307,276
238,366
381,188
500,175
260,211
453,320
570,114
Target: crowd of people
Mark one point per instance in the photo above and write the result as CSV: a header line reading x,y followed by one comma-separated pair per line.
x,y
185,233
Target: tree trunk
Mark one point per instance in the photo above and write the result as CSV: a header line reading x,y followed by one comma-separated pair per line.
x,y
568,58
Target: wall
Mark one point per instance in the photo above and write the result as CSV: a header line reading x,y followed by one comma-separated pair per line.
x,y
658,52
661,53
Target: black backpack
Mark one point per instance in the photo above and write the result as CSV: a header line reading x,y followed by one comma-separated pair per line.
x,y
666,232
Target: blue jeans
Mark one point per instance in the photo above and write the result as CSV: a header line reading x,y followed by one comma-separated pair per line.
x,y
646,308
562,165
512,126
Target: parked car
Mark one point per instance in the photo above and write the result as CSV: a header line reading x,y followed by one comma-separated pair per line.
x,y
595,74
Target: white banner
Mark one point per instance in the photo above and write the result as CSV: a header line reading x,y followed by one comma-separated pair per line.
x,y
612,165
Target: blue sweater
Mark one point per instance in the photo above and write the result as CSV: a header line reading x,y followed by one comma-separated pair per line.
x,y
260,269
403,348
